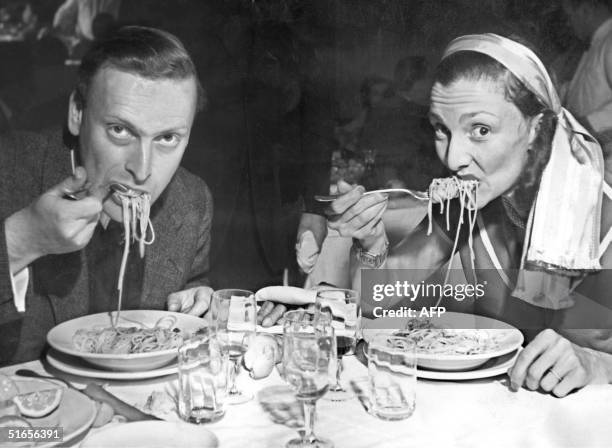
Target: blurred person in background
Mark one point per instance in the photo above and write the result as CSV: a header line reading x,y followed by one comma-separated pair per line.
x,y
75,17
589,93
396,133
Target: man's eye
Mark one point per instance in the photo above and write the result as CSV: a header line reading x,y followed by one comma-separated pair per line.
x,y
118,131
480,131
169,139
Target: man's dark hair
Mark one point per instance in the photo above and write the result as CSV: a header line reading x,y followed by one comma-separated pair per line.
x,y
605,3
147,52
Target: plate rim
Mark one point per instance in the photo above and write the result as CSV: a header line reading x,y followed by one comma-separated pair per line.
x,y
81,396
466,375
91,372
121,356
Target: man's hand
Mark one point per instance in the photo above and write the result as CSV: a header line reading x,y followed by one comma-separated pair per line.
x,y
53,224
554,364
194,301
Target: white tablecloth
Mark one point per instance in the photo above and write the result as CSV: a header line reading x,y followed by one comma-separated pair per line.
x,y
482,413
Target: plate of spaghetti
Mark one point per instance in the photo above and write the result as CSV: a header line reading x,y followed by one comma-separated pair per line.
x,y
455,341
136,340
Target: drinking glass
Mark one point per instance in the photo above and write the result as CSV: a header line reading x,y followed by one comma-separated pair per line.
x,y
234,316
392,374
343,305
202,372
308,353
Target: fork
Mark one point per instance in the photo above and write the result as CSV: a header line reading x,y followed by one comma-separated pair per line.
x,y
420,195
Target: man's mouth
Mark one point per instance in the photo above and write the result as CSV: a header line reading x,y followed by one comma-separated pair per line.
x,y
467,177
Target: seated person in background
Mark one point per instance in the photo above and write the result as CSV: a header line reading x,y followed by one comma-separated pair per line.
x,y
398,134
130,118
542,197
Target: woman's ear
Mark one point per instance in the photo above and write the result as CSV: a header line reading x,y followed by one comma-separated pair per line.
x,y
534,128
75,114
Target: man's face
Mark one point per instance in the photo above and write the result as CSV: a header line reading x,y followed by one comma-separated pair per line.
x,y
134,131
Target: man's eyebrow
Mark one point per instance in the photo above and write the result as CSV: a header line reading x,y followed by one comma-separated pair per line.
x,y
180,128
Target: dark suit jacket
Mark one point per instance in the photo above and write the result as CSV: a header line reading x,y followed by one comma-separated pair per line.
x,y
58,289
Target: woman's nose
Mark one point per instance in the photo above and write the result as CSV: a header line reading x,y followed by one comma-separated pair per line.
x,y
457,154
139,163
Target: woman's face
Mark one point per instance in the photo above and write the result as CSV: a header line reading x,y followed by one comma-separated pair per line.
x,y
481,135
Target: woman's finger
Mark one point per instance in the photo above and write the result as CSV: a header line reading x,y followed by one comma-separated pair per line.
x,y
528,355
369,216
274,315
365,204
346,201
264,311
538,372
370,228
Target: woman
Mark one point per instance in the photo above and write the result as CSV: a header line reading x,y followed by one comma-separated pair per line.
x,y
498,120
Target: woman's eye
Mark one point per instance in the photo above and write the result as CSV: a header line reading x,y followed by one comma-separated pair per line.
x,y
440,130
480,131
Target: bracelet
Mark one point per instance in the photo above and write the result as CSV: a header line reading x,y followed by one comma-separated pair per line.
x,y
369,259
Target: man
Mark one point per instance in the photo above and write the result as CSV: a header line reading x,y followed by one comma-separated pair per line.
x,y
589,94
129,118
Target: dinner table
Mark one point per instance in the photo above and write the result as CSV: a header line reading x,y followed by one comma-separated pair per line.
x,y
481,412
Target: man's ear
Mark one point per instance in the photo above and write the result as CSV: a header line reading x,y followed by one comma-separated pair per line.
x,y
75,114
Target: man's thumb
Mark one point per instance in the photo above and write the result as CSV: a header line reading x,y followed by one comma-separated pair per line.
x,y
174,303
74,183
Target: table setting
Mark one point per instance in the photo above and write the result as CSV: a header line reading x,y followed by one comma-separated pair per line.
x,y
322,376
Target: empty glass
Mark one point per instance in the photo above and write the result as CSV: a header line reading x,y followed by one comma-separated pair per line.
x,y
202,369
392,373
308,353
343,305
234,316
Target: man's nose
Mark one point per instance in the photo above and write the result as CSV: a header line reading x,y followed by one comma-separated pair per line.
x,y
139,162
457,154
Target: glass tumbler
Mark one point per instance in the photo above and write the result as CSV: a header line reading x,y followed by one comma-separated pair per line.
x,y
203,372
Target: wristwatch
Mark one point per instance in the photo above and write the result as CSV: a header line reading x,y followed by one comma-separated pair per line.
x,y
369,259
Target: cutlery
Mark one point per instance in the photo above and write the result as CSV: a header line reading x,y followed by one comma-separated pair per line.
x,y
96,393
420,195
122,189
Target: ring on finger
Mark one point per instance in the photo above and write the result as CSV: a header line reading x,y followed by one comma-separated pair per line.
x,y
555,374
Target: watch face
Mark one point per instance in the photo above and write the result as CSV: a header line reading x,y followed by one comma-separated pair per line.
x,y
371,260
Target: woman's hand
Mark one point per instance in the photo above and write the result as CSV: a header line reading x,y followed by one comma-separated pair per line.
x,y
359,216
556,365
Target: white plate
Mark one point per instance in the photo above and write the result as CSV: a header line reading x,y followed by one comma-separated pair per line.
x,y
75,413
493,367
152,434
60,338
508,339
77,366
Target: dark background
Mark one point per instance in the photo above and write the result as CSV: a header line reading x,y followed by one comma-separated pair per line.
x,y
280,76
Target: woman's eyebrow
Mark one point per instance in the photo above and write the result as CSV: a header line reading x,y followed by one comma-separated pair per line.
x,y
470,115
